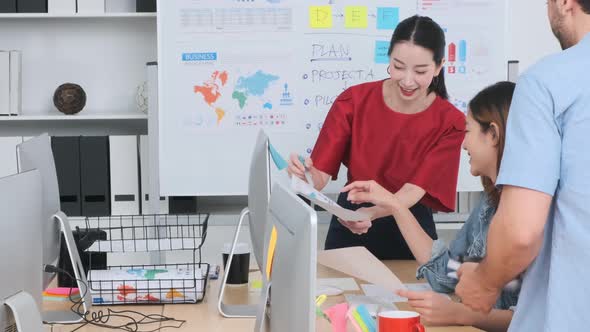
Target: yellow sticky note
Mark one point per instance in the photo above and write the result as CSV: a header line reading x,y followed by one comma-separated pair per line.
x,y
356,17
320,17
272,244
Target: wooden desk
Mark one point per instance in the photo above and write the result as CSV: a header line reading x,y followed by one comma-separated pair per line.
x,y
204,316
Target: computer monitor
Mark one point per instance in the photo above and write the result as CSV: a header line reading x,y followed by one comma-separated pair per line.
x,y
294,269
36,153
258,196
20,251
260,229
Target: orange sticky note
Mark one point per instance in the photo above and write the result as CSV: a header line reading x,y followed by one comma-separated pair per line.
x,y
356,17
320,17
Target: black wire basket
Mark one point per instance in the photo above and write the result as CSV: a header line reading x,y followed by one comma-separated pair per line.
x,y
149,283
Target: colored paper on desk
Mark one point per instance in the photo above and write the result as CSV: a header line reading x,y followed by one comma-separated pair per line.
x,y
61,291
316,197
337,315
373,304
272,244
52,298
358,262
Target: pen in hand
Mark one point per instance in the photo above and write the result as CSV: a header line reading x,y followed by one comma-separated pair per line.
x,y
308,176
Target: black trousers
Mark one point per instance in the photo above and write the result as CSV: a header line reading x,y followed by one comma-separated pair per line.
x,y
384,239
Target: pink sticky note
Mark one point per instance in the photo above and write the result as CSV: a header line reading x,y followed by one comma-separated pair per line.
x,y
337,315
61,291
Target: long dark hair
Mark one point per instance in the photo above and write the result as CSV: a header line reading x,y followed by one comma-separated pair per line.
x,y
489,106
424,32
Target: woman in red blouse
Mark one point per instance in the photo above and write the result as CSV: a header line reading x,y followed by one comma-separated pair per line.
x,y
401,132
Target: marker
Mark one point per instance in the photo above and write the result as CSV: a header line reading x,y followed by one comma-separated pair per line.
x,y
308,176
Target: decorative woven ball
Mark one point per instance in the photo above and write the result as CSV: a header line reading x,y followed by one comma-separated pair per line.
x,y
69,98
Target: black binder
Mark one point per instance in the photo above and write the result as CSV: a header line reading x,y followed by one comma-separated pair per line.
x,y
95,260
31,6
182,205
145,6
95,176
66,153
8,6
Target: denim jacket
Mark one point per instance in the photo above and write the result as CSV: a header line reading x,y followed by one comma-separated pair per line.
x,y
470,241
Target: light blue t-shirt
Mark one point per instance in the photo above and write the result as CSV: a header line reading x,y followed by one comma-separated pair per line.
x,y
548,150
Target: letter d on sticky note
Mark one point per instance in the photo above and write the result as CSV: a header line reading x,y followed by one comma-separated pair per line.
x,y
320,17
355,17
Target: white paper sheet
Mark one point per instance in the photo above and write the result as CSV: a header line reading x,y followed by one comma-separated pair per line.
x,y
389,296
373,304
345,284
147,285
325,202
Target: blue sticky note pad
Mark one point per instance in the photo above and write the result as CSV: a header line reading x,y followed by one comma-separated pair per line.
x,y
279,161
367,319
387,18
381,48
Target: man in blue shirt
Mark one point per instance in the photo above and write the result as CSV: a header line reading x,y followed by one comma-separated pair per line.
x,y
543,220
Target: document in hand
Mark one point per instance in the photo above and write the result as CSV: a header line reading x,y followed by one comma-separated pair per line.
x,y
361,264
316,197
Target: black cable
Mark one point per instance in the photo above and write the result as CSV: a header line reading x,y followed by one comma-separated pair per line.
x,y
100,319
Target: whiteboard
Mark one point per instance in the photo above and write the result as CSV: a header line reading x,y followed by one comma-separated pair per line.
x,y
228,68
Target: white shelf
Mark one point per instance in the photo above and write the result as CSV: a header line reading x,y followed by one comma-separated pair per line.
x,y
74,125
104,15
75,117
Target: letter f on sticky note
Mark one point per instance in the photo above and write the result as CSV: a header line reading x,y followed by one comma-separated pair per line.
x,y
320,17
355,17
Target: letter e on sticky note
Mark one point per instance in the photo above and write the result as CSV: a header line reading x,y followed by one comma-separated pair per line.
x,y
355,17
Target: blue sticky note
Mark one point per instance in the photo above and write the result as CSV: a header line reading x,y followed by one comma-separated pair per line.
x,y
381,48
366,317
387,18
279,161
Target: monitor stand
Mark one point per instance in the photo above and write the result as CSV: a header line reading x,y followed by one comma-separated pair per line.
x,y
236,310
262,323
25,312
70,316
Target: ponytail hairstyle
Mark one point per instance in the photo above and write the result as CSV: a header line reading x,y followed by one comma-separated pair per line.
x,y
424,32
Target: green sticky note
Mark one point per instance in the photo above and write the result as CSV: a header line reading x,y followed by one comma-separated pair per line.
x,y
256,284
320,17
356,17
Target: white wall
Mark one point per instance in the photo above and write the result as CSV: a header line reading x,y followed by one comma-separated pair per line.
x,y
529,34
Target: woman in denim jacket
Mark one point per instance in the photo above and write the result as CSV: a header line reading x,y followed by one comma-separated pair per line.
x,y
484,142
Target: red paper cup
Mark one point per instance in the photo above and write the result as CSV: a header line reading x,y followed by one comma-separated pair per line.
x,y
399,321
